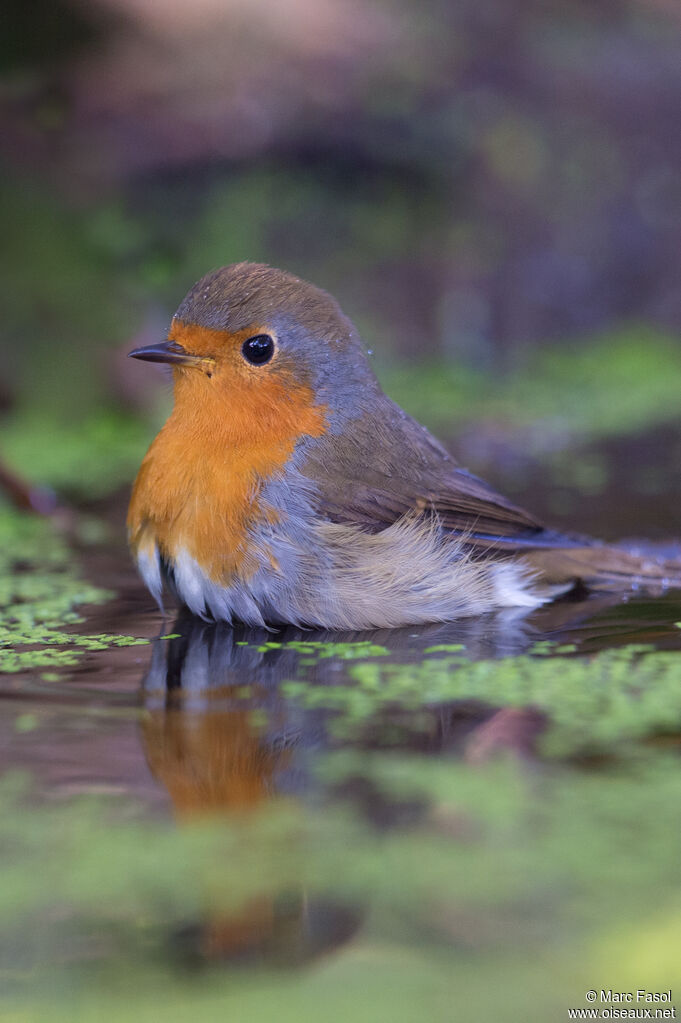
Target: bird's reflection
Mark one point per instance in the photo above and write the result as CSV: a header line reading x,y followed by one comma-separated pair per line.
x,y
204,685
210,761
206,658
222,739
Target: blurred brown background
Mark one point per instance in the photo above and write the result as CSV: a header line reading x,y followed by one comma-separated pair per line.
x,y
478,181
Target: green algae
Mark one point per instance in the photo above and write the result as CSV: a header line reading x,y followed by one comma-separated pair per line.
x,y
324,649
593,703
40,593
444,648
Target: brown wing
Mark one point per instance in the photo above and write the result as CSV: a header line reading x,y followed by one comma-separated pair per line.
x,y
387,465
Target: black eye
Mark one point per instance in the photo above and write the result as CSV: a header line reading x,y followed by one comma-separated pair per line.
x,y
258,350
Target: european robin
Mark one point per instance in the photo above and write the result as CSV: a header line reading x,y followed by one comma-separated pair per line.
x,y
285,487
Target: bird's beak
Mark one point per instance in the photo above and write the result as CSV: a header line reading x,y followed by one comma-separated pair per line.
x,y
168,351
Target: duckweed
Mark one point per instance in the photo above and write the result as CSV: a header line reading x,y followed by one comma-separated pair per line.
x,y
40,590
323,650
445,648
596,703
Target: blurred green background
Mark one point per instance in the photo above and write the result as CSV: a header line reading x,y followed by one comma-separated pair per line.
x,y
490,187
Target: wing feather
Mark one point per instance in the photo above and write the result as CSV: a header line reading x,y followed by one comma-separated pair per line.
x,y
389,466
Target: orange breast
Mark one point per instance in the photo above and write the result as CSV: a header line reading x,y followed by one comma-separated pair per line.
x,y
199,486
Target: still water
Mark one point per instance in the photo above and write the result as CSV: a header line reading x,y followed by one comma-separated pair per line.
x,y
352,826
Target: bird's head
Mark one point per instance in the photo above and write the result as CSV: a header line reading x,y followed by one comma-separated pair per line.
x,y
259,339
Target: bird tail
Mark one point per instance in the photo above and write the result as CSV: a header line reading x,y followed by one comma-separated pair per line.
x,y
605,567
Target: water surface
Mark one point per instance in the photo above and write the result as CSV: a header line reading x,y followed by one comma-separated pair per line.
x,y
387,824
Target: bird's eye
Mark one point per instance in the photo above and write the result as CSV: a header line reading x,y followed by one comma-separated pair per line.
x,y
258,350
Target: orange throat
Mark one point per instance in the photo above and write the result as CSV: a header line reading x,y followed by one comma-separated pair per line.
x,y
199,488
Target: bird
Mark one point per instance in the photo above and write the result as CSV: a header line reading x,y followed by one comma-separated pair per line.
x,y
286,488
